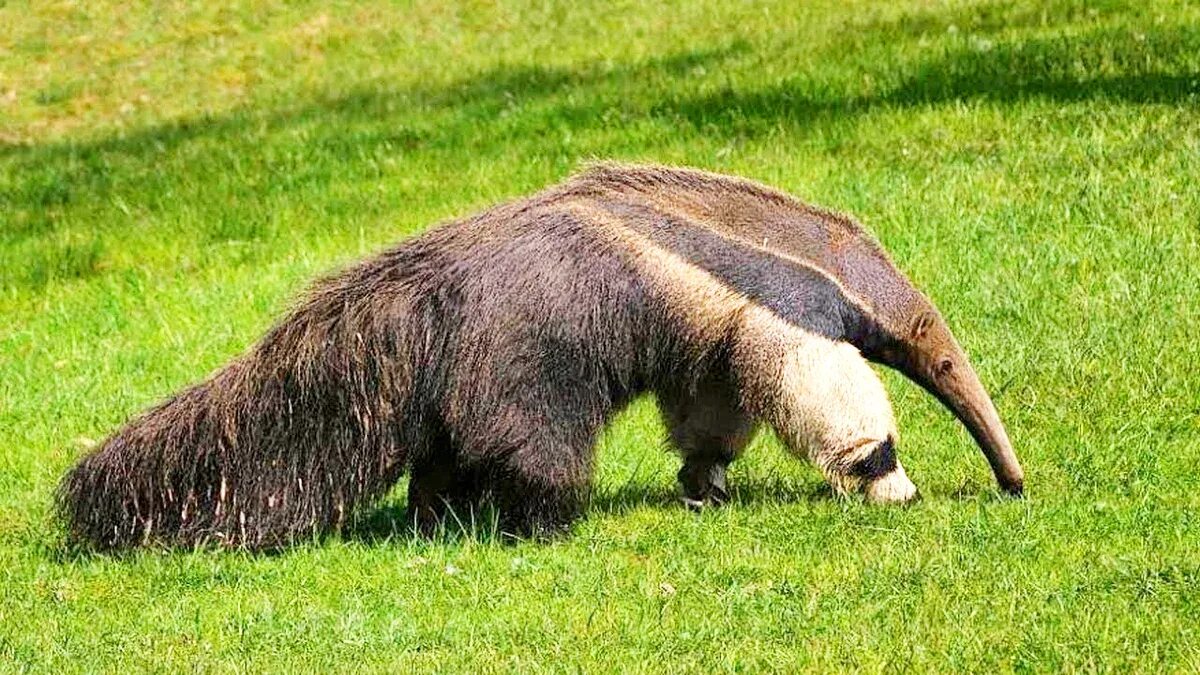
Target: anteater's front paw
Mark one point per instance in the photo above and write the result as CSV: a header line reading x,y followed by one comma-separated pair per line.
x,y
893,487
702,485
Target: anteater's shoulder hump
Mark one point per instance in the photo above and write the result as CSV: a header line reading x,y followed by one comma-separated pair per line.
x,y
620,178
661,180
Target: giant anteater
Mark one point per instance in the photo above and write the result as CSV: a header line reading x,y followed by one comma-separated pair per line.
x,y
483,357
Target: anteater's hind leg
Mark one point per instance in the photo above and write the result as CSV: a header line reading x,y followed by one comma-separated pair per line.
x,y
440,489
533,467
429,483
539,487
440,492
824,401
709,429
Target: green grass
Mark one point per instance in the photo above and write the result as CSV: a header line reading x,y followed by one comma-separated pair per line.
x,y
171,175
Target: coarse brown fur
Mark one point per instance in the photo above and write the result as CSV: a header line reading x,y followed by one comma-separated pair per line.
x,y
484,356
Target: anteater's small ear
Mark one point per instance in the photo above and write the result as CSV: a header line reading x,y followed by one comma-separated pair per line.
x,y
922,323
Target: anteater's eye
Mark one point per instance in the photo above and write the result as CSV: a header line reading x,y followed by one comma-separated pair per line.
x,y
944,366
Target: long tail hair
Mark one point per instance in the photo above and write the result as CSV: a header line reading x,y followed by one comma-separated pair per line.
x,y
281,443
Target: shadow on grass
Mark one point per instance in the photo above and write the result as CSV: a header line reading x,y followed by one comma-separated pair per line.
x,y
517,108
1060,69
1063,68
527,111
388,523
773,489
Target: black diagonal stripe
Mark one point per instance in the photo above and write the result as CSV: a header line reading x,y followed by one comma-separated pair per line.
x,y
801,295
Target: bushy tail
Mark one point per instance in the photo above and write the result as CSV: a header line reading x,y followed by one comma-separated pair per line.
x,y
282,443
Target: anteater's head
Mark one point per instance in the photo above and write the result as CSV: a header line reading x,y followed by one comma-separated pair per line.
x,y
921,346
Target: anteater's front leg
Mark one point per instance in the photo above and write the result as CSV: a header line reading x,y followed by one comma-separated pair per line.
x,y
710,430
825,402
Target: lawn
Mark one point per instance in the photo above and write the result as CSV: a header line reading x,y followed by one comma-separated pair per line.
x,y
173,175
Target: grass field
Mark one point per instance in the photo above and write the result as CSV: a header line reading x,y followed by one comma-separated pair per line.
x,y
173,174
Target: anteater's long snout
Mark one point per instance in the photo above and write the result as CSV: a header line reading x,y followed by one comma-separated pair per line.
x,y
937,362
964,394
